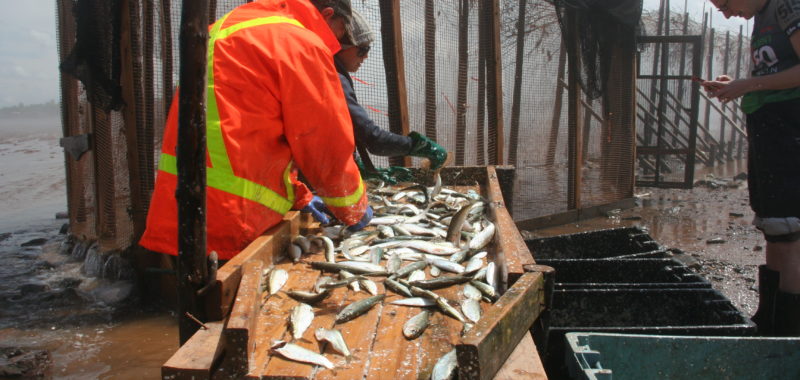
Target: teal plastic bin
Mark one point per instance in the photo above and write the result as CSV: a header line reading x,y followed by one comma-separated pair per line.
x,y
600,356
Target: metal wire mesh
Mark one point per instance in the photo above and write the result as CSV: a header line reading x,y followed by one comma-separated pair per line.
x,y
448,59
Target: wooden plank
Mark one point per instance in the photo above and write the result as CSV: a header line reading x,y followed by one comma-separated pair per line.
x,y
442,335
239,333
524,363
392,354
359,334
195,359
509,243
274,313
497,333
265,248
324,314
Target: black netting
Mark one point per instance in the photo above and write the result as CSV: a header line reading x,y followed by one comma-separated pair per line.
x,y
601,25
95,58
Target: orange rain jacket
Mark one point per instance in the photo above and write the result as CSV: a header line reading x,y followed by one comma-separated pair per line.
x,y
274,104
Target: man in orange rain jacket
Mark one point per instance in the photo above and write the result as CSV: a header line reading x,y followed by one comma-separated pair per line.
x,y
274,105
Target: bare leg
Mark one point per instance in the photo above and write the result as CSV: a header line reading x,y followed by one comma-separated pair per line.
x,y
785,258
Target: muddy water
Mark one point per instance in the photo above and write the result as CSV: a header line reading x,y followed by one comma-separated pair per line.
x,y
48,303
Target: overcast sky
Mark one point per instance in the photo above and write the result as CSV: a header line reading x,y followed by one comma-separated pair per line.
x,y
29,54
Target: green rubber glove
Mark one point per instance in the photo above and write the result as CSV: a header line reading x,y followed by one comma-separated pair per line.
x,y
427,148
390,175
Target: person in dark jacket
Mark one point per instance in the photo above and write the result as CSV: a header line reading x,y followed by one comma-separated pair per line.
x,y
355,49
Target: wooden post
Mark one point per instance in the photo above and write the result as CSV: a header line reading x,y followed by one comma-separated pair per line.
x,y
139,201
575,180
725,145
461,92
392,35
191,152
556,120
483,45
662,100
494,71
516,97
681,72
166,53
430,69
710,74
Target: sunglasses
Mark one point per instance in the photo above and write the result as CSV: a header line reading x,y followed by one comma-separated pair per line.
x,y
363,50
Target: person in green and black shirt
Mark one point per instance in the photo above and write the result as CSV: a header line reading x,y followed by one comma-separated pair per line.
x,y
771,100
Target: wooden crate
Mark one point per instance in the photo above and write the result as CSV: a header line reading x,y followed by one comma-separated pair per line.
x,y
375,338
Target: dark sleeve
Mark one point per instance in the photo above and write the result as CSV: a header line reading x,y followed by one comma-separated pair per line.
x,y
378,141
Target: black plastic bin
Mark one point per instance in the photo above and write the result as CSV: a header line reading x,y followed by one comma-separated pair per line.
x,y
635,311
625,242
619,273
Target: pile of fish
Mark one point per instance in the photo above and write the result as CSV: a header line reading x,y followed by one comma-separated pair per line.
x,y
414,229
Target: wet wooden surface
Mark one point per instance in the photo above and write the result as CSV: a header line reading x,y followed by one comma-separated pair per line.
x,y
379,349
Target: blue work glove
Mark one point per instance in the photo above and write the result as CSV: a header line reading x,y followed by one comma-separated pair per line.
x,y
318,210
363,222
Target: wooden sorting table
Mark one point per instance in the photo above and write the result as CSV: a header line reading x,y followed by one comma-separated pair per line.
x,y
237,344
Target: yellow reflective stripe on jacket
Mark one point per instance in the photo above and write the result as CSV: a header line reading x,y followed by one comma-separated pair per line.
x,y
229,183
220,175
345,201
216,144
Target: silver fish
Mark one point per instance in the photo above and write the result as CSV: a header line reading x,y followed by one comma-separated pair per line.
x,y
435,271
414,301
459,256
295,252
446,308
479,255
454,230
471,292
394,263
416,275
301,318
350,266
357,308
335,338
308,297
445,366
327,244
471,309
410,268
416,325
371,286
474,265
482,238
376,255
491,275
486,289
302,242
322,280
442,282
447,265
397,287
300,354
386,231
277,278
354,284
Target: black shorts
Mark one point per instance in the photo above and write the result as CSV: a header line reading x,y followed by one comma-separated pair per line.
x,y
773,159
